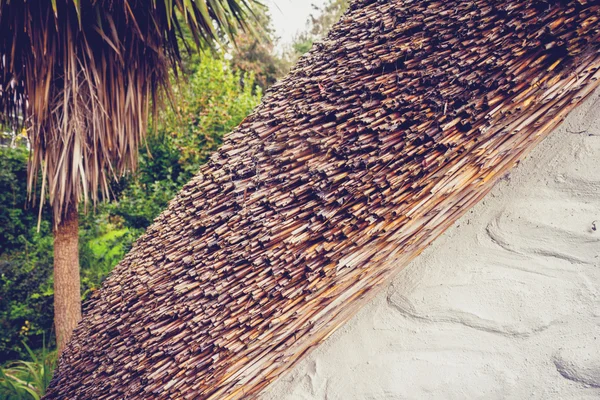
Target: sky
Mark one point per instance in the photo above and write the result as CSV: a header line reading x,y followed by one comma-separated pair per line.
x,y
290,16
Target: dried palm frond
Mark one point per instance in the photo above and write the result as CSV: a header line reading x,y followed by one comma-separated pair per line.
x,y
83,73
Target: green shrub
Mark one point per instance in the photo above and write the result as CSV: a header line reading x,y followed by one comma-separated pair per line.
x,y
103,241
25,261
25,380
26,306
17,221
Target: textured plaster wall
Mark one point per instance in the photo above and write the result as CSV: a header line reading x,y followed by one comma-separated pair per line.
x,y
506,304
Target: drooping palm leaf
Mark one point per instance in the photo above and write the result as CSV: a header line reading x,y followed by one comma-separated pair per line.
x,y
83,73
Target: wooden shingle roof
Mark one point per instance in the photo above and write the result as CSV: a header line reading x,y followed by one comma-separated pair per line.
x,y
378,140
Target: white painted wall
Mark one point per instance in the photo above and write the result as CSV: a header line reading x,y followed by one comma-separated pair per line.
x,y
505,305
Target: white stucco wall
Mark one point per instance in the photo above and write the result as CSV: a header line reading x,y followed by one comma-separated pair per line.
x,y
506,304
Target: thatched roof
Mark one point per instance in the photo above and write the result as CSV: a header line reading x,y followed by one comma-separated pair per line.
x,y
378,140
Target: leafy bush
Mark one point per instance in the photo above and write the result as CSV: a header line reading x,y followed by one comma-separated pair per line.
x,y
25,380
25,261
16,220
26,306
103,241
211,104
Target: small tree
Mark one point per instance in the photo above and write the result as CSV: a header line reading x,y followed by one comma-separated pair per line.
x,y
317,27
84,74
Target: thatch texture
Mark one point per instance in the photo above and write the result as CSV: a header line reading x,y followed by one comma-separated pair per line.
x,y
380,138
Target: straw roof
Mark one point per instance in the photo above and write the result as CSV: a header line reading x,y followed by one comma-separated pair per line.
x,y
379,139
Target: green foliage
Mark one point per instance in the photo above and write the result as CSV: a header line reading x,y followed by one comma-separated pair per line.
x,y
302,44
15,220
26,297
103,241
25,380
25,260
209,106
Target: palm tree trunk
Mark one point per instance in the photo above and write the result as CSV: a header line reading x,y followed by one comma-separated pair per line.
x,y
67,292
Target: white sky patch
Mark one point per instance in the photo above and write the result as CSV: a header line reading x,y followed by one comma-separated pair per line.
x,y
290,16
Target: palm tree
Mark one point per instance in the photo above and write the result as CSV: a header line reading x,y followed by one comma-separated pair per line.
x,y
85,74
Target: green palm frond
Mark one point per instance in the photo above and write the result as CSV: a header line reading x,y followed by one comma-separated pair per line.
x,y
83,73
